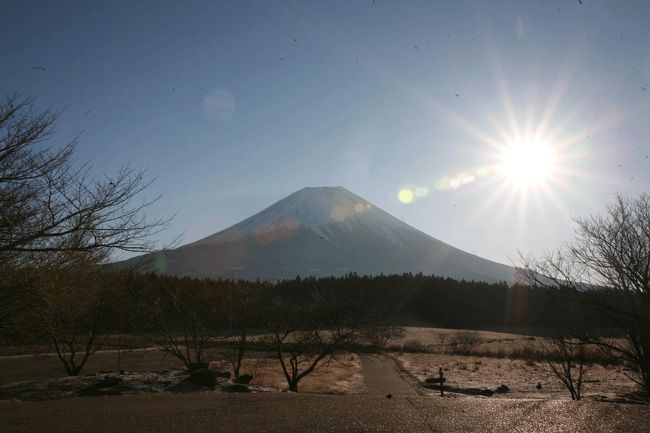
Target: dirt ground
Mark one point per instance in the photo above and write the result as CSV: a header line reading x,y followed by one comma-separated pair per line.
x,y
490,342
521,377
341,376
46,366
346,375
264,367
41,377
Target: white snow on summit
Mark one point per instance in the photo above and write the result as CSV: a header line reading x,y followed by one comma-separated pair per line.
x,y
317,210
323,231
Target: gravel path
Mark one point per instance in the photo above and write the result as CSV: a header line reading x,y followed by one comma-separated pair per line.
x,y
382,378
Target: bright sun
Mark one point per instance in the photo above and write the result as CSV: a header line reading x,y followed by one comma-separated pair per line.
x,y
527,163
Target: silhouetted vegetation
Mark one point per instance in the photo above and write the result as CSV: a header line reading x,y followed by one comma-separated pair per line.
x,y
393,300
611,256
178,319
464,342
58,221
308,330
184,316
241,308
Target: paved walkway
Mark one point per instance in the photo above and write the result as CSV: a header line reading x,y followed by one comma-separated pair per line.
x,y
382,378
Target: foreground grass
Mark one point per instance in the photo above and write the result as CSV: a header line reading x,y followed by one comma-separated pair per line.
x,y
152,371
524,379
487,360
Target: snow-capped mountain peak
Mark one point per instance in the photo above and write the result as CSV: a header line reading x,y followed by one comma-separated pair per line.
x,y
321,231
319,210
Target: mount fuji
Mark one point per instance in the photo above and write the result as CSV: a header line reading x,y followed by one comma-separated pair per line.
x,y
323,231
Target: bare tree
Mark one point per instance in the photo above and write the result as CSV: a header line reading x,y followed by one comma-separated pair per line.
x,y
307,330
380,335
53,211
566,357
17,295
464,342
240,310
69,313
178,322
611,254
48,205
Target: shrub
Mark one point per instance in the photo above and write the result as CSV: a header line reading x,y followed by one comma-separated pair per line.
x,y
380,336
413,345
464,342
203,377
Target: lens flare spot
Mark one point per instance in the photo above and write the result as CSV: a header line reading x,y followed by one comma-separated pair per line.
x,y
281,229
483,171
465,178
405,195
441,184
161,262
421,191
341,213
219,105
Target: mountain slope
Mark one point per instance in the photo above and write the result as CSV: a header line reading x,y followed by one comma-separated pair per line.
x,y
320,232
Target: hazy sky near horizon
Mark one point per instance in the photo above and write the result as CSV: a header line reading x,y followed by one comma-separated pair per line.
x,y
233,105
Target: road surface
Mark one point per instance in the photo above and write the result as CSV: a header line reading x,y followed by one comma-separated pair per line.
x,y
405,412
287,412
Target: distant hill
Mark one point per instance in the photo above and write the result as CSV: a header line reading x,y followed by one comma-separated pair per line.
x,y
323,231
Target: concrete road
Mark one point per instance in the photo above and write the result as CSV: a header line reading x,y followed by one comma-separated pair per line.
x,y
287,412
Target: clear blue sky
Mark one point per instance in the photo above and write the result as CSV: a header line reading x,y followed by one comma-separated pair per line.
x,y
233,105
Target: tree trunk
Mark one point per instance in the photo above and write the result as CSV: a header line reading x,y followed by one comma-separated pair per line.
x,y
236,368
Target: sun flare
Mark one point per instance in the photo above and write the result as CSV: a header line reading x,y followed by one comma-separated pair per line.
x,y
527,163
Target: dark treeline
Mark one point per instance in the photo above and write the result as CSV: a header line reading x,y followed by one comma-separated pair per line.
x,y
417,299
303,322
407,299
127,302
